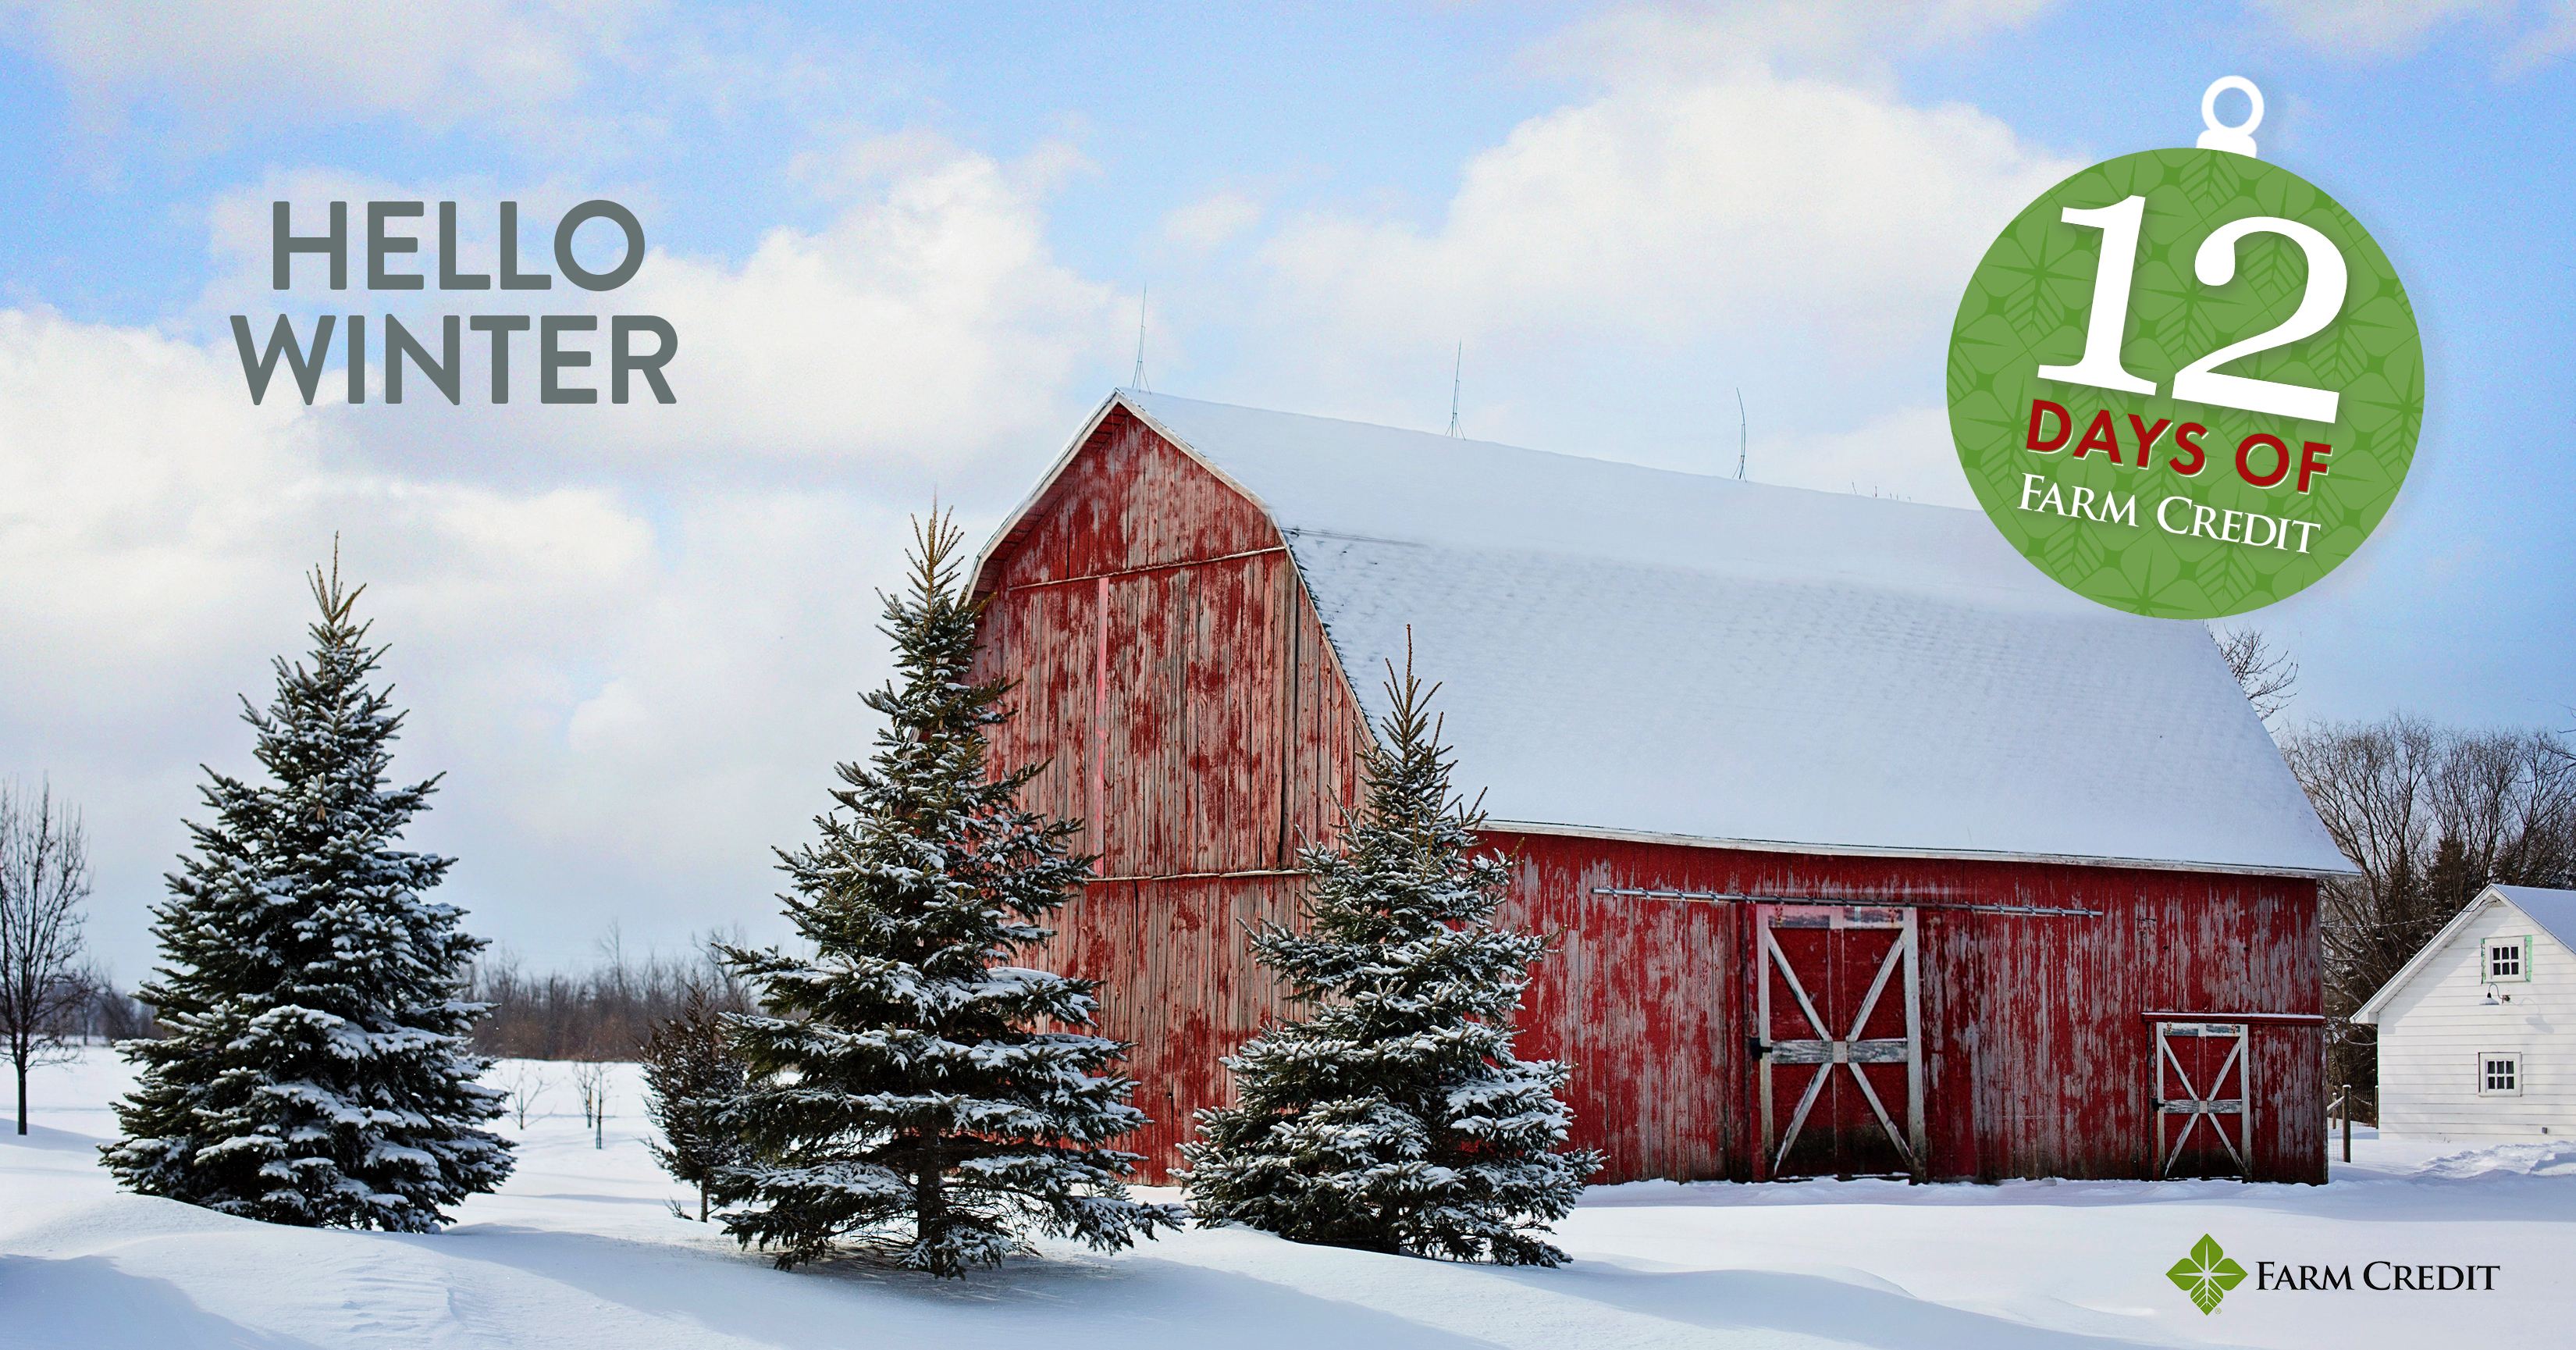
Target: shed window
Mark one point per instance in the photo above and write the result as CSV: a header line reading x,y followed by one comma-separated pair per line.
x,y
2509,958
2499,1074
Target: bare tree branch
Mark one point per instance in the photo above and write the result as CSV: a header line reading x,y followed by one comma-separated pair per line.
x,y
2267,674
44,876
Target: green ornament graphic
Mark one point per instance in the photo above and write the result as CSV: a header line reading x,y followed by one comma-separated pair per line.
x,y
2262,471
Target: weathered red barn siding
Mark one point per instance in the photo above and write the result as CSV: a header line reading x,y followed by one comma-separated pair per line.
x,y
1178,984
1208,687
1174,676
2039,1061
1197,723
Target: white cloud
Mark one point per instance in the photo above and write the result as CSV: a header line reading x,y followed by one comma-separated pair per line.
x,y
1648,209
437,64
99,463
1212,220
929,323
1616,267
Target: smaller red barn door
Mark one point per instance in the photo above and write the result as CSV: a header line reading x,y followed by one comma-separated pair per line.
x,y
1839,1063
2203,1116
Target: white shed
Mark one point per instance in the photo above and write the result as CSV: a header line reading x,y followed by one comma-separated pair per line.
x,y
2477,1034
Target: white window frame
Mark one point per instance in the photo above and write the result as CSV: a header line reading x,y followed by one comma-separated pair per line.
x,y
2512,1057
2487,962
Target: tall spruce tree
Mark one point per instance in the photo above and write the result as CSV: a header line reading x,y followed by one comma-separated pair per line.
x,y
1395,1119
901,1099
316,1071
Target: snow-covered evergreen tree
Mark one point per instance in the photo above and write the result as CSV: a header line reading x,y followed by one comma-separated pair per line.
x,y
1395,1118
902,1099
691,1074
316,1071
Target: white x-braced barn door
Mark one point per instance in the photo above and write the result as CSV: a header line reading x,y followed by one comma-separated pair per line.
x,y
2201,1100
1840,1049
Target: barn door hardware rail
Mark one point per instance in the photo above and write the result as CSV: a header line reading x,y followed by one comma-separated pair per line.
x,y
2251,1019
1733,898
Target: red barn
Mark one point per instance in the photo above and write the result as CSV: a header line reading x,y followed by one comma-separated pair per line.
x,y
1873,850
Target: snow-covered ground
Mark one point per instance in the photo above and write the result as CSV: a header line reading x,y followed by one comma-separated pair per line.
x,y
581,1249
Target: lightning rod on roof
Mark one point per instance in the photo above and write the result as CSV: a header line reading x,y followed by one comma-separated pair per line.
x,y
1455,370
1739,433
1137,380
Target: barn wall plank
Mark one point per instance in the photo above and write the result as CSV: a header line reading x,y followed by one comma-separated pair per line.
x,y
1178,984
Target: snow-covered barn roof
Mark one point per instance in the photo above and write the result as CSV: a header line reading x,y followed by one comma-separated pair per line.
x,y
2554,911
1637,652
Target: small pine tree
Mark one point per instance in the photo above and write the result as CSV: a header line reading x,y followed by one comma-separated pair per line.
x,y
316,1070
1395,1119
691,1072
899,1096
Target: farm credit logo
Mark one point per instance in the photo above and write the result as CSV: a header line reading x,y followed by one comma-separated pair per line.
x,y
2207,1273
2186,383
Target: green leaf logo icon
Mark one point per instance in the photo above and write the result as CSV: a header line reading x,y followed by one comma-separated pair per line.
x,y
2206,1274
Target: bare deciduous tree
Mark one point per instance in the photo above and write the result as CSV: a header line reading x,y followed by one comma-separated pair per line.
x,y
44,876
590,1078
2428,815
2266,673
524,1082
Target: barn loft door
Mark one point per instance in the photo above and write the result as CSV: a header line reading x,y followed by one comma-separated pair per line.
x,y
2203,1126
1840,1057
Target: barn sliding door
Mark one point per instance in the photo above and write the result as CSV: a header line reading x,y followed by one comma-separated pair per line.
x,y
1840,1051
2204,1123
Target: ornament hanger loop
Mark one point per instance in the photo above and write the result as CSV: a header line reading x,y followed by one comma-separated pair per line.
x,y
2238,139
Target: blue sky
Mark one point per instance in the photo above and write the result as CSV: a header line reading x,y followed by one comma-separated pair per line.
x,y
903,248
